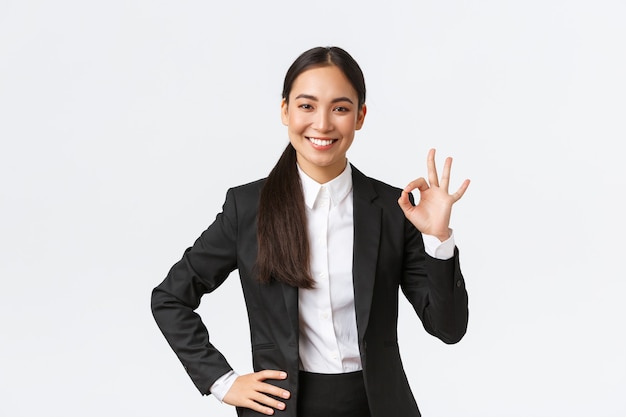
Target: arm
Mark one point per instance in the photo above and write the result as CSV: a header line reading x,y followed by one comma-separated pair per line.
x,y
435,287
202,269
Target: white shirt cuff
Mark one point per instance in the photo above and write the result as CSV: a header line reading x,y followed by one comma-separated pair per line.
x,y
220,388
437,249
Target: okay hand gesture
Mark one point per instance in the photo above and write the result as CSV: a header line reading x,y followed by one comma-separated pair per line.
x,y
432,213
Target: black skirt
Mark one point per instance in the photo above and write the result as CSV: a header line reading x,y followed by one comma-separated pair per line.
x,y
332,395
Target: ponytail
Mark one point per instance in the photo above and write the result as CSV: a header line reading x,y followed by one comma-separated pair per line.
x,y
283,245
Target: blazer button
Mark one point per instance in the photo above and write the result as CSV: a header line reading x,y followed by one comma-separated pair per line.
x,y
458,283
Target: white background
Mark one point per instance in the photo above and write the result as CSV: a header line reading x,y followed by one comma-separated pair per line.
x,y
123,123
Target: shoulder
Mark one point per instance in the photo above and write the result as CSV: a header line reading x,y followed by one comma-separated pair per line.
x,y
242,202
365,185
250,187
384,188
246,194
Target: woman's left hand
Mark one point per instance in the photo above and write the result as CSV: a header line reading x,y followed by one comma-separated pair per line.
x,y
432,213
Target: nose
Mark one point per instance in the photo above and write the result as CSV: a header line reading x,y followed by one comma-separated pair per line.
x,y
323,121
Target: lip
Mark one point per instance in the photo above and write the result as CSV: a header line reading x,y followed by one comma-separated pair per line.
x,y
316,142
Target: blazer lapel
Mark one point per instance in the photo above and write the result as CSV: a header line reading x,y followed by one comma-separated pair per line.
x,y
367,223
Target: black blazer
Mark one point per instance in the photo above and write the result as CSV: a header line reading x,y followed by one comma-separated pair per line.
x,y
388,255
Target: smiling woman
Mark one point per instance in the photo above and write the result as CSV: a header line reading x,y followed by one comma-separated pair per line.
x,y
321,251
322,113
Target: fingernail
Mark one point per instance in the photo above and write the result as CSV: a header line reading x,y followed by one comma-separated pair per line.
x,y
283,375
281,406
285,394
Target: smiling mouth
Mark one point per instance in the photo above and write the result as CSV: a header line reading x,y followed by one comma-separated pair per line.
x,y
321,142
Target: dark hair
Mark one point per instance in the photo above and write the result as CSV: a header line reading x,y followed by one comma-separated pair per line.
x,y
283,245
326,56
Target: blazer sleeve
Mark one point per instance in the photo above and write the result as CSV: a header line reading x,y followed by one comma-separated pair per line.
x,y
435,288
202,269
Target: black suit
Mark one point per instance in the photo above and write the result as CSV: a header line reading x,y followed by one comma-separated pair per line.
x,y
388,255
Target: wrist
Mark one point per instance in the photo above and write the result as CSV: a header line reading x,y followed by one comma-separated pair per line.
x,y
443,236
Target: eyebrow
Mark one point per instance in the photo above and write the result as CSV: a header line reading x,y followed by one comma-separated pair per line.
x,y
335,100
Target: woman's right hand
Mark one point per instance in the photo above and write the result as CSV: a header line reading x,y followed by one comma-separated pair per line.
x,y
250,391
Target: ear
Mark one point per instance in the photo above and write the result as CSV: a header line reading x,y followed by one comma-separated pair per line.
x,y
361,117
284,112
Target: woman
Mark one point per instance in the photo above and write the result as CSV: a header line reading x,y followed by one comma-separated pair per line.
x,y
321,252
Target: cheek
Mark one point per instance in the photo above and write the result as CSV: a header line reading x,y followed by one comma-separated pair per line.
x,y
297,122
348,126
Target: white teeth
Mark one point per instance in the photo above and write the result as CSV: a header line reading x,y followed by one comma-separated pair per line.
x,y
321,142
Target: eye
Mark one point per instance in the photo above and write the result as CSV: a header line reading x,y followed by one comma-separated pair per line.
x,y
341,109
305,106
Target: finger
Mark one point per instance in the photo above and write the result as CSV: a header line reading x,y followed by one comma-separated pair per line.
x,y
254,397
269,388
258,402
273,390
459,193
404,202
445,177
259,408
419,183
433,179
267,403
270,374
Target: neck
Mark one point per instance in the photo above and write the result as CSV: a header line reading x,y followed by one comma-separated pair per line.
x,y
322,175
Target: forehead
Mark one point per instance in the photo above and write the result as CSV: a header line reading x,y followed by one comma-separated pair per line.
x,y
323,82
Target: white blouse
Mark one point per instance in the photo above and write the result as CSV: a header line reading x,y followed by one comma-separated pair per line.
x,y
328,339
